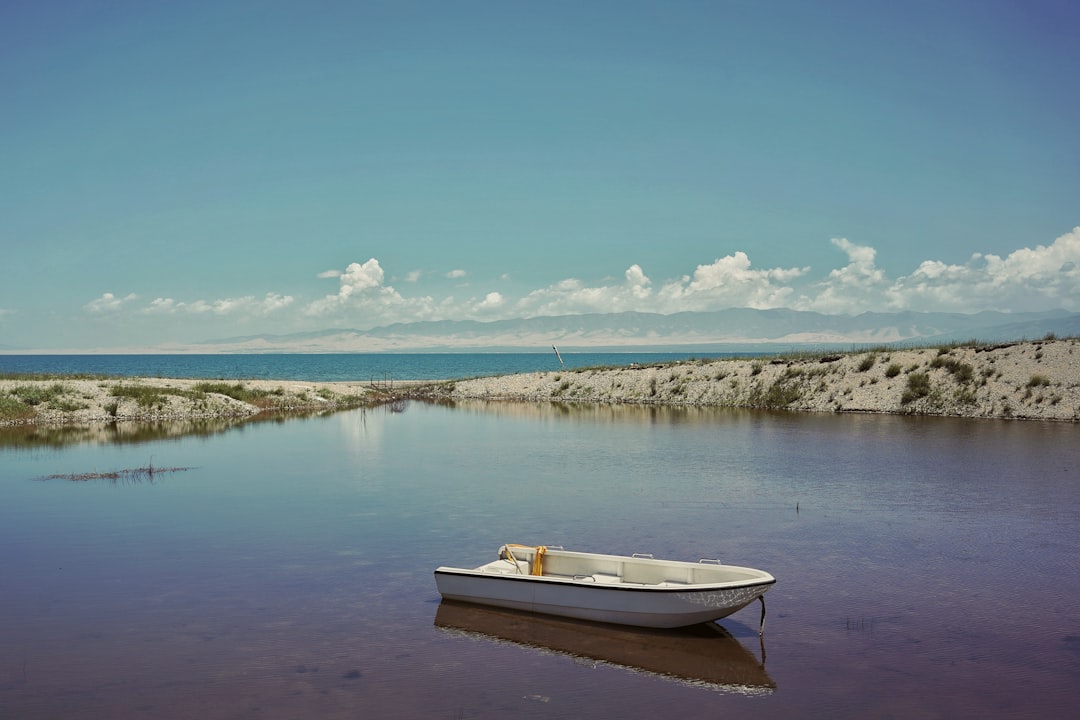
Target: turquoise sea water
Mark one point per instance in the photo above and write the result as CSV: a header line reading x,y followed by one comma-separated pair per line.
x,y
344,367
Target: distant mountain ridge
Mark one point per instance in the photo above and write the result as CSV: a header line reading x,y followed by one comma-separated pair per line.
x,y
717,330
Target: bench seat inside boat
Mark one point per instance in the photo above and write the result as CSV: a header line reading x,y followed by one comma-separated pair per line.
x,y
618,570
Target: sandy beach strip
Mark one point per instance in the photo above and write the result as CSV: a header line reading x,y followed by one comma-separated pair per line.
x,y
1023,380
63,400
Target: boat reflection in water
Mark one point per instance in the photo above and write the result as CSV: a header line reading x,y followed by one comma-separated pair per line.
x,y
704,654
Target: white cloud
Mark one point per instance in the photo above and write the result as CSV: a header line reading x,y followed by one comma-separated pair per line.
x,y
247,305
859,285
359,277
362,295
730,282
491,301
356,278
162,305
1030,278
571,296
1036,278
273,302
1026,279
637,282
109,303
727,282
456,274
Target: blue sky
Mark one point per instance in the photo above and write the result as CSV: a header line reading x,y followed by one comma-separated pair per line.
x,y
174,172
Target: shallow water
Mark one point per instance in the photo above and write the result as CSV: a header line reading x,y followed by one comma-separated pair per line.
x,y
926,567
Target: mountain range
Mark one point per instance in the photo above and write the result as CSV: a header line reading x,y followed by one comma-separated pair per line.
x,y
717,331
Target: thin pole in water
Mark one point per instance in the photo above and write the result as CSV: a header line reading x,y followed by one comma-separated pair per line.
x,y
558,355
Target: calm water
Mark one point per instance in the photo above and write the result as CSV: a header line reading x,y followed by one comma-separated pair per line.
x,y
926,567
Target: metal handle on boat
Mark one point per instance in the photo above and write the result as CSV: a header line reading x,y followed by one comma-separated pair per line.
x,y
710,560
644,555
583,578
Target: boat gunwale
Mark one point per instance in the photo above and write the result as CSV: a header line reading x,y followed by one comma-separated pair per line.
x,y
620,586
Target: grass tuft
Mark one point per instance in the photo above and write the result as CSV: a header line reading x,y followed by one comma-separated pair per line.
x,y
918,387
12,408
237,391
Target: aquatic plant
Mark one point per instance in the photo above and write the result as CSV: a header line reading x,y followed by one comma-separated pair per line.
x,y
140,474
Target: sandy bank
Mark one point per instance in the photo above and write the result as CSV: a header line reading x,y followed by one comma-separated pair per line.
x,y
67,401
1023,380
1030,380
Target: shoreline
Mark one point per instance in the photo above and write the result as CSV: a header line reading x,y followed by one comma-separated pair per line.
x,y
1036,380
1030,380
86,401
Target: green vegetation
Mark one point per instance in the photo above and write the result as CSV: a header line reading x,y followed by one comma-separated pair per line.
x,y
38,377
13,409
66,405
146,396
893,370
866,363
918,387
237,391
1038,381
965,396
37,395
781,394
961,371
20,402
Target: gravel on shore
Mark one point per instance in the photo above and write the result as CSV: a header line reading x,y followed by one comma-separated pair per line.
x,y
64,400
1021,380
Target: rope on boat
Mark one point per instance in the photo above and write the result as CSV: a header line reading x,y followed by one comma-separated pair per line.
x,y
761,627
537,567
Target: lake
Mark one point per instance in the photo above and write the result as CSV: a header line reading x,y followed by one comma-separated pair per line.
x,y
926,567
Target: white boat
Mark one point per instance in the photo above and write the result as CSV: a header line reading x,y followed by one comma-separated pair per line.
x,y
627,590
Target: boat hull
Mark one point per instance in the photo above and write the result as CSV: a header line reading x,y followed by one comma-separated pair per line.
x,y
663,604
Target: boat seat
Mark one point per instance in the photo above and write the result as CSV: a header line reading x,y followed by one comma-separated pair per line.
x,y
507,568
606,579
